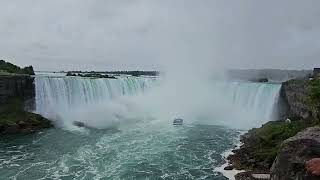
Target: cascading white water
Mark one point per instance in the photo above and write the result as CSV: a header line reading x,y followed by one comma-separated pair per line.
x,y
238,104
55,94
251,102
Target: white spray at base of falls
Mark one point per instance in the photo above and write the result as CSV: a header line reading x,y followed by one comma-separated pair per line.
x,y
102,103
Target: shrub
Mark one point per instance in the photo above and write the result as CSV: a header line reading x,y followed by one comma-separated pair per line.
x,y
13,69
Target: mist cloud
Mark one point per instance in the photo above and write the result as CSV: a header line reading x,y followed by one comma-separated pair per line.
x,y
160,34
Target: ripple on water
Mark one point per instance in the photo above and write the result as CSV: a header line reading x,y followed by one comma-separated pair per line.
x,y
190,152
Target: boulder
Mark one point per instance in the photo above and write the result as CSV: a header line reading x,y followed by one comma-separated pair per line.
x,y
22,123
228,168
293,153
11,129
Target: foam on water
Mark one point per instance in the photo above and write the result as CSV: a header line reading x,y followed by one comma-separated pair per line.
x,y
136,152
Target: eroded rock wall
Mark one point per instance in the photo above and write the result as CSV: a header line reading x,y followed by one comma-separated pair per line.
x,y
293,97
18,86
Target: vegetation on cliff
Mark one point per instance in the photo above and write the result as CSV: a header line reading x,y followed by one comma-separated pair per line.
x,y
314,97
8,68
14,119
262,144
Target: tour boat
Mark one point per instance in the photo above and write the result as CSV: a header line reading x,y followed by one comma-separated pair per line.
x,y
177,121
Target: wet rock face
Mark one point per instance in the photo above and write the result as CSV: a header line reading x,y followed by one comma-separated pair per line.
x,y
17,86
294,94
294,152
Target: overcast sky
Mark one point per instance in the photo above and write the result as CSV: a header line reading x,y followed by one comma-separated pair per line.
x,y
158,34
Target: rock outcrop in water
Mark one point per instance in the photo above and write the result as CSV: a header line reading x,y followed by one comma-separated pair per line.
x,y
294,152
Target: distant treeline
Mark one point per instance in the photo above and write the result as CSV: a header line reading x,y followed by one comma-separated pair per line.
x,y
270,74
6,67
132,73
91,75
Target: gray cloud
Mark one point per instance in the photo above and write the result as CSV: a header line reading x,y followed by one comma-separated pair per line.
x,y
157,34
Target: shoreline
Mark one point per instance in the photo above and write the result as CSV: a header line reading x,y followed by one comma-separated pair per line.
x,y
230,174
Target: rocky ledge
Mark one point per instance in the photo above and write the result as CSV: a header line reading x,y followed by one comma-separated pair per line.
x,y
14,119
29,123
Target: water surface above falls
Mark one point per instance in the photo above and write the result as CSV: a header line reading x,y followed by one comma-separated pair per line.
x,y
137,139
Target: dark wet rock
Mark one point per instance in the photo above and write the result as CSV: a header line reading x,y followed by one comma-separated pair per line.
x,y
228,168
11,129
79,124
294,152
22,123
261,80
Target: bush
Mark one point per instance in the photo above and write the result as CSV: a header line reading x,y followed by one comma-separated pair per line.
x,y
272,135
13,69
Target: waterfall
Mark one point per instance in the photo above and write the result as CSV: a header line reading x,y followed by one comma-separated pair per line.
x,y
66,93
238,104
255,99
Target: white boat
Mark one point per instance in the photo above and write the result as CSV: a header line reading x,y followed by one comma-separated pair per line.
x,y
178,122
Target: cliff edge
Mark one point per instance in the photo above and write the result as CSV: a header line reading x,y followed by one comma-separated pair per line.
x,y
17,94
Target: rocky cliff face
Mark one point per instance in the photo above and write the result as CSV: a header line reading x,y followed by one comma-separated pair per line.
x,y
17,86
289,164
293,97
17,93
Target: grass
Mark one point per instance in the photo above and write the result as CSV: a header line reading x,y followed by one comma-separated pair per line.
x,y
271,136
